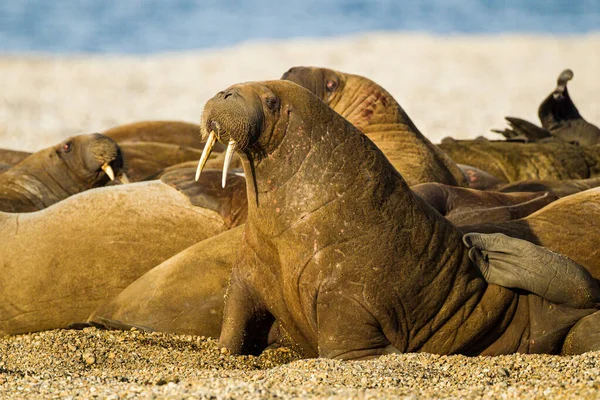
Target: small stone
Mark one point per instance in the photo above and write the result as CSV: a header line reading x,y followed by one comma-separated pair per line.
x,y
501,371
89,358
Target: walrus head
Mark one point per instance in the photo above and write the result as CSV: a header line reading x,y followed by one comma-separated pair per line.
x,y
93,159
251,119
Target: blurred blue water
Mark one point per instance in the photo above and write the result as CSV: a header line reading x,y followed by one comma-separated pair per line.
x,y
146,26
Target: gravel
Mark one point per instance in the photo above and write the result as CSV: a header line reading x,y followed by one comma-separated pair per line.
x,y
135,364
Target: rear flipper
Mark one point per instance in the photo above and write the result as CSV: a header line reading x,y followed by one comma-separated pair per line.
x,y
584,336
516,263
519,129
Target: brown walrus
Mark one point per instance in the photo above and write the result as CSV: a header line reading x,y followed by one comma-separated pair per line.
x,y
463,206
378,115
338,250
560,119
53,174
569,226
515,161
81,252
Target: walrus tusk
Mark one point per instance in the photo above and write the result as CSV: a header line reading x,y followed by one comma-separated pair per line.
x,y
109,171
228,156
123,178
210,142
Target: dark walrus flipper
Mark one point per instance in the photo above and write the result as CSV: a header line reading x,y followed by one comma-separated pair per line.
x,y
560,116
519,129
519,264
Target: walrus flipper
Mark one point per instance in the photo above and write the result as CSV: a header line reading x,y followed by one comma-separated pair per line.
x,y
519,129
519,264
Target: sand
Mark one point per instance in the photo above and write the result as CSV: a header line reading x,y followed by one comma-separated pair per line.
x,y
451,86
458,86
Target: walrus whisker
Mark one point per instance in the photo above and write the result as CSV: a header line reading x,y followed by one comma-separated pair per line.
x,y
109,171
210,142
228,156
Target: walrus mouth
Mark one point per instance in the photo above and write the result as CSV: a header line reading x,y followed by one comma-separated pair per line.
x,y
108,171
210,143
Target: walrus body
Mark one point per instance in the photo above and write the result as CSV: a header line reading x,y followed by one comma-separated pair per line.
x,y
463,206
569,226
343,255
61,263
183,295
514,161
374,111
53,174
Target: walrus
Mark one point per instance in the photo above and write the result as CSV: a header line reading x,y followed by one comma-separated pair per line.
x,y
343,255
464,206
569,226
53,174
515,161
560,119
62,263
478,179
374,111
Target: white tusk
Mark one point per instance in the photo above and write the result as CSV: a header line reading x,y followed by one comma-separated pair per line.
x,y
123,178
109,171
210,142
228,156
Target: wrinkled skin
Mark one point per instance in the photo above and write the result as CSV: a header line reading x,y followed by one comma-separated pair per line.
x,y
321,196
560,119
569,226
53,174
62,263
378,115
463,206
520,264
514,161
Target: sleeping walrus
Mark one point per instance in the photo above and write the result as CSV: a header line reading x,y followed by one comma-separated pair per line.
x,y
81,252
53,174
338,250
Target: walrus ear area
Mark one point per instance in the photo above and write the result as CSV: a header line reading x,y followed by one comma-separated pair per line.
x,y
272,103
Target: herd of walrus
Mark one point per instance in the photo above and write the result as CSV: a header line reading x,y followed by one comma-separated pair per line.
x,y
318,217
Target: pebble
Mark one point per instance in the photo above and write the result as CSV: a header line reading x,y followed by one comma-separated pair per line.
x,y
136,364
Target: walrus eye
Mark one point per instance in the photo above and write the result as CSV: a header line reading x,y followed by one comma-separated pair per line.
x,y
67,147
331,85
272,102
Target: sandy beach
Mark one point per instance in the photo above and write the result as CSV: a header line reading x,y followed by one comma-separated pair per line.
x,y
450,86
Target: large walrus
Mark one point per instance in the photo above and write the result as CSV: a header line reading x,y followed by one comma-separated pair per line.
x,y
63,262
515,161
374,111
53,174
560,119
343,255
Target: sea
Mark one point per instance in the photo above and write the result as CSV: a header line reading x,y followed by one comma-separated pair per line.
x,y
152,26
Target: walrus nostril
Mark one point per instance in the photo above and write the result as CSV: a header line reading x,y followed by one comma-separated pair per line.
x,y
227,95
